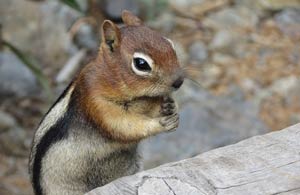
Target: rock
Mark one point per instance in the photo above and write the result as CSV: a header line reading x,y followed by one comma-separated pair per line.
x,y
83,5
206,122
285,85
232,17
295,118
267,164
210,75
278,4
185,4
250,86
198,52
253,5
294,56
293,100
114,8
69,69
14,176
6,121
165,22
280,102
288,22
86,38
229,42
15,78
220,58
12,142
38,29
222,39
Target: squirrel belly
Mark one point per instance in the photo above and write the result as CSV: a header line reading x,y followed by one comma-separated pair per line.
x,y
90,135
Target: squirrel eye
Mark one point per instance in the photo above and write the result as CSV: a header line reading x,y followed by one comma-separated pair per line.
x,y
141,65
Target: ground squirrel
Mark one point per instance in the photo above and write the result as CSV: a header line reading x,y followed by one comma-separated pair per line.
x,y
90,135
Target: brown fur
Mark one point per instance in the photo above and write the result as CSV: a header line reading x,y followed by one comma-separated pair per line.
x,y
113,96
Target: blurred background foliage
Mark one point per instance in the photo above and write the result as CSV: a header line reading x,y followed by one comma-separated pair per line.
x,y
245,54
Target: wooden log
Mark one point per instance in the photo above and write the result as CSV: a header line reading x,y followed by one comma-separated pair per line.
x,y
267,164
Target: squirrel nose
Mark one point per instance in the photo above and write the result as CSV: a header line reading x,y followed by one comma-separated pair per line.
x,y
177,83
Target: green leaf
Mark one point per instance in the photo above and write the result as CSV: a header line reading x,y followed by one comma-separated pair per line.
x,y
73,4
34,69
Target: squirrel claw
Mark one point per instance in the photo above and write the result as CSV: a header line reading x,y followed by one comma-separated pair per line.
x,y
170,122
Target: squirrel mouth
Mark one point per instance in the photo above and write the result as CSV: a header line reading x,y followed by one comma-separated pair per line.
x,y
148,97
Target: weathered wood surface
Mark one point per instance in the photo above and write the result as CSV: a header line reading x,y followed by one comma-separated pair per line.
x,y
268,164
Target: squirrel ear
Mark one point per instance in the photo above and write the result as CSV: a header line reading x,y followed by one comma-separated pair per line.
x,y
130,19
110,35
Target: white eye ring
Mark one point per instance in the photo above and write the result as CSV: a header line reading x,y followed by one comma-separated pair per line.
x,y
145,57
171,42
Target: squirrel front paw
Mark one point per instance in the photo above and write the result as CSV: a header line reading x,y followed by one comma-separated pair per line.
x,y
170,117
170,122
168,107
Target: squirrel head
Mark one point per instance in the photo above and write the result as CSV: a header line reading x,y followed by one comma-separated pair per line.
x,y
136,61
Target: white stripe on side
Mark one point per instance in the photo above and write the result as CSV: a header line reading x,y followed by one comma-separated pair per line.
x,y
53,116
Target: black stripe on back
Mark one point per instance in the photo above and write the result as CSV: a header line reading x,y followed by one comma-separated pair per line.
x,y
56,133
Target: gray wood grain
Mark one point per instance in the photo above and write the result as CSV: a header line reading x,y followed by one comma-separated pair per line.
x,y
267,164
